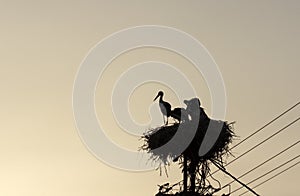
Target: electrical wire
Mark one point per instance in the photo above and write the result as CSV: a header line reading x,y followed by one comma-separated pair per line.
x,y
229,174
257,131
268,138
285,170
282,114
267,172
274,156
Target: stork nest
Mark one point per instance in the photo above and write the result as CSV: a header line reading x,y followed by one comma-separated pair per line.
x,y
183,141
158,137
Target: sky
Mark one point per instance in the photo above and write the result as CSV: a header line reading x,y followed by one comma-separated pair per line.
x,y
255,45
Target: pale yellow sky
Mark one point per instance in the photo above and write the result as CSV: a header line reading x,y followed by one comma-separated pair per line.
x,y
254,43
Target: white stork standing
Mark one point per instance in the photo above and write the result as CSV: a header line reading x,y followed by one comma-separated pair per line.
x,y
165,107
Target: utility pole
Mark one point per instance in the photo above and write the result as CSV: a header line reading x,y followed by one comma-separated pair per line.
x,y
185,175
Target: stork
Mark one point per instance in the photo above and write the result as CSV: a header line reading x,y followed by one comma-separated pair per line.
x,y
165,107
194,102
193,108
180,114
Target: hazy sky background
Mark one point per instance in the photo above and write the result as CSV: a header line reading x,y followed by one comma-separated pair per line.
x,y
255,44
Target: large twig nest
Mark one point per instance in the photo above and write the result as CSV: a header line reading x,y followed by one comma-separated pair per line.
x,y
186,138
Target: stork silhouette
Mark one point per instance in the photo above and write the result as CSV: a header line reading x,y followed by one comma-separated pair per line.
x,y
180,114
193,108
165,107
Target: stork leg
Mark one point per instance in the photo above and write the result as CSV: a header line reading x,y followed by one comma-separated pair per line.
x,y
165,120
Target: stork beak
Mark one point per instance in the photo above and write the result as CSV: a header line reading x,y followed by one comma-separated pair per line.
x,y
156,97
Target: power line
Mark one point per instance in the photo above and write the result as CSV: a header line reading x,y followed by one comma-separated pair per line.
x,y
226,172
267,173
283,113
273,176
274,156
274,134
271,136
251,135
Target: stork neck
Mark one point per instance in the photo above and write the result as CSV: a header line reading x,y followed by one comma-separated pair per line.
x,y
161,98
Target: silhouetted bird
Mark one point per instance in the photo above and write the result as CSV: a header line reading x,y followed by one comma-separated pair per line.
x,y
193,108
165,107
194,102
180,114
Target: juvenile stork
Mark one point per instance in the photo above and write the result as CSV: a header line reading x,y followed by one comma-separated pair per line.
x,y
165,107
180,114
